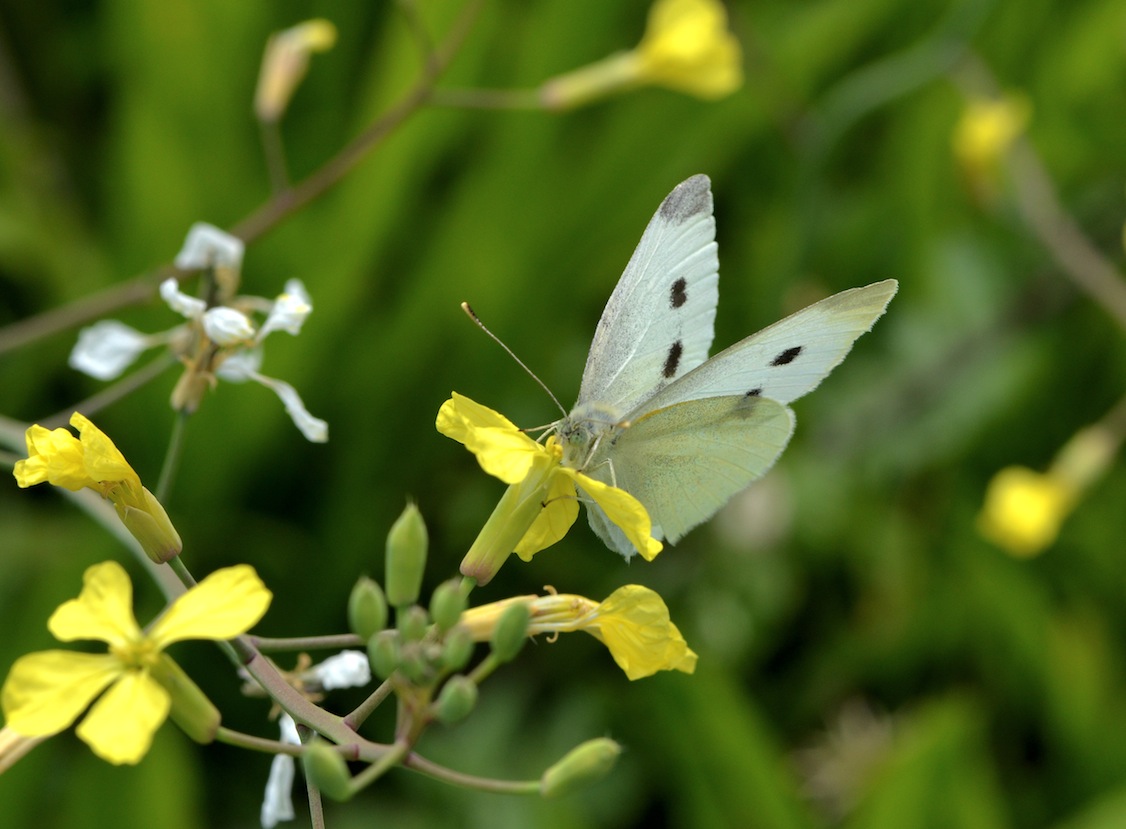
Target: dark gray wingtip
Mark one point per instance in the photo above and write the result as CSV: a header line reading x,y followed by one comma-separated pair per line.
x,y
691,197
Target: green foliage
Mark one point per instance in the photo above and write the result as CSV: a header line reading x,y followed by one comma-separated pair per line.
x,y
852,574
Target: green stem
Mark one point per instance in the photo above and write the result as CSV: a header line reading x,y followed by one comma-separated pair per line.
x,y
381,766
316,808
249,741
273,147
368,706
416,762
172,457
498,99
267,644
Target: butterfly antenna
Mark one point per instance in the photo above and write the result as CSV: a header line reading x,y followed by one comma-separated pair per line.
x,y
473,316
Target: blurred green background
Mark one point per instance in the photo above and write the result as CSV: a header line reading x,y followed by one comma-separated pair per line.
x,y
866,659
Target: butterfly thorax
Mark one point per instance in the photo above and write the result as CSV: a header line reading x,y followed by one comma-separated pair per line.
x,y
585,430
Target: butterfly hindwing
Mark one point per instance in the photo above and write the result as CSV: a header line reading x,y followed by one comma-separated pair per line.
x,y
684,462
659,322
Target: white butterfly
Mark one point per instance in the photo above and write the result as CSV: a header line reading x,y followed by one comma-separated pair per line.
x,y
680,432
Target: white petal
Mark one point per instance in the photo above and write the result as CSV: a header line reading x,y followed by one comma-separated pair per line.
x,y
208,246
289,310
277,804
313,428
240,366
178,301
348,669
226,326
107,348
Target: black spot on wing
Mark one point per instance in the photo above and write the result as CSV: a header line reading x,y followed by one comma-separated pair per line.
x,y
754,392
677,294
673,360
689,198
786,356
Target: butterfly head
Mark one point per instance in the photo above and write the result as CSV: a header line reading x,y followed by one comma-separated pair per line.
x,y
585,430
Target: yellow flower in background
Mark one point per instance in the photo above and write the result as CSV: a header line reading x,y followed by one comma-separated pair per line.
x,y
1024,509
541,502
47,691
285,63
687,47
92,461
984,135
633,623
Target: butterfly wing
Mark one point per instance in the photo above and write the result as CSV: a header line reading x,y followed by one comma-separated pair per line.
x,y
659,322
684,462
788,359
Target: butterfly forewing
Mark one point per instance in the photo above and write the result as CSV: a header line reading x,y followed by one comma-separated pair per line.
x,y
787,359
686,461
659,322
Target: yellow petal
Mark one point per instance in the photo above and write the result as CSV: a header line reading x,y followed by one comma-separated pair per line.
x,y
502,450
624,510
103,610
224,605
561,507
688,47
120,727
104,462
46,691
1024,510
634,625
54,456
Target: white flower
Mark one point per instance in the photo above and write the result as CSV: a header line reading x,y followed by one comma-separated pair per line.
x,y
107,348
243,366
289,310
184,305
207,246
348,669
277,805
226,326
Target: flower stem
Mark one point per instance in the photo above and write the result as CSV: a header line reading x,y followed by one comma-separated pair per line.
x,y
172,457
416,762
303,643
249,741
365,708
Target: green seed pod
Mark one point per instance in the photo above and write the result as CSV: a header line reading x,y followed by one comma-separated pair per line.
x,y
191,709
326,769
384,653
447,604
457,648
367,608
415,664
582,765
510,632
406,557
456,699
413,623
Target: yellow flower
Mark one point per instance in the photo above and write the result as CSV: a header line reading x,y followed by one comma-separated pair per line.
x,y
687,47
985,133
1024,509
285,63
633,623
541,502
56,457
45,692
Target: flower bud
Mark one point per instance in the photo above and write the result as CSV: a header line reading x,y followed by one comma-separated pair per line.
x,y
384,653
406,557
367,608
456,699
511,631
413,623
415,664
326,769
447,604
191,709
152,528
457,648
582,765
